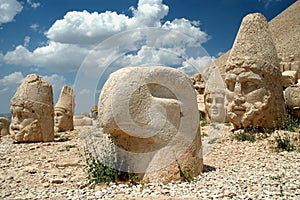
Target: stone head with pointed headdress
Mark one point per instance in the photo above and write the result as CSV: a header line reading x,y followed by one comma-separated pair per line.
x,y
64,110
253,77
32,111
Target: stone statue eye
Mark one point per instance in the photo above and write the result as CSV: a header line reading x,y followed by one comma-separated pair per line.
x,y
209,100
230,85
58,114
249,86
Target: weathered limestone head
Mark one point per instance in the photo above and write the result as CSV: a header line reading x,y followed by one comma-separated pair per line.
x,y
32,111
253,77
64,110
292,99
214,97
4,126
199,85
151,114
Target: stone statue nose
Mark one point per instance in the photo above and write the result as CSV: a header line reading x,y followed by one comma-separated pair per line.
x,y
238,96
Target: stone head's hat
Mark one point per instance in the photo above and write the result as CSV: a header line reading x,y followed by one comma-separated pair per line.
x,y
215,83
254,44
33,90
66,100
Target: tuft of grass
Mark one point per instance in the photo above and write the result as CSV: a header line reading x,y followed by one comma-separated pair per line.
x,y
203,120
278,177
252,134
212,141
244,136
204,134
291,124
283,144
67,147
101,173
98,172
185,174
70,146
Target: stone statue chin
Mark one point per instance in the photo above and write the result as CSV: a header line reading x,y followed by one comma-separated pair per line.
x,y
25,125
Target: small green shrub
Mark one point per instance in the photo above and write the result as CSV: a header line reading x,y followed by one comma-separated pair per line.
x,y
203,121
244,136
133,178
185,174
98,172
101,173
278,177
204,134
283,144
212,141
69,146
291,124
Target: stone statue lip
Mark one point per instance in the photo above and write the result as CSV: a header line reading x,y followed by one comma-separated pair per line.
x,y
215,111
239,109
15,128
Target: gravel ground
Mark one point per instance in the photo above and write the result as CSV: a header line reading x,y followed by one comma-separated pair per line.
x,y
233,170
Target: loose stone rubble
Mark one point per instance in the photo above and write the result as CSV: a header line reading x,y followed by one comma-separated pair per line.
x,y
232,170
82,121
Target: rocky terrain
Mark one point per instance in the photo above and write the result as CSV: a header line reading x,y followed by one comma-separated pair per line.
x,y
233,170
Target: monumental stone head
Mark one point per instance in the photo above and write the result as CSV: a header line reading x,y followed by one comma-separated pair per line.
x,y
32,111
253,77
64,110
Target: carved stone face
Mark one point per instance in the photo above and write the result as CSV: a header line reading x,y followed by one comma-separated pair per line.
x,y
4,126
25,124
248,97
214,105
63,121
32,111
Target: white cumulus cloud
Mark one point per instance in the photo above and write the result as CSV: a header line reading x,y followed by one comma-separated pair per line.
x,y
57,81
33,4
149,13
56,56
72,37
82,27
9,84
8,10
34,26
14,78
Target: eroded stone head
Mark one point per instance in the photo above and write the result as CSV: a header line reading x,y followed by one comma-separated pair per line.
x,y
64,110
214,97
4,126
292,99
151,112
32,111
253,77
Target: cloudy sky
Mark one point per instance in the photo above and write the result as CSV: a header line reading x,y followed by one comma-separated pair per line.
x,y
78,42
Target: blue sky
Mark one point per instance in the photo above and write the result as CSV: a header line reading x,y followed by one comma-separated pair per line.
x,y
54,38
